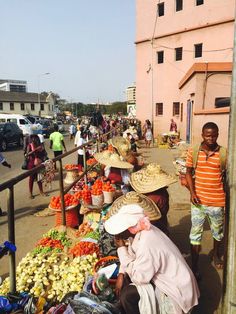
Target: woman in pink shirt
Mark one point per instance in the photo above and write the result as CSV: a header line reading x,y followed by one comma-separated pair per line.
x,y
152,263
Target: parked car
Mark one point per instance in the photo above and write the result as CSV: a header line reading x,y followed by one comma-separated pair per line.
x,y
23,123
60,126
10,134
47,127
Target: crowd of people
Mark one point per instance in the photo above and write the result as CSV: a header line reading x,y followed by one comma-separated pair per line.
x,y
153,273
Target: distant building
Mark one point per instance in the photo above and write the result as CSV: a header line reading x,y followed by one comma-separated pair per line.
x,y
131,95
27,103
131,101
13,86
184,52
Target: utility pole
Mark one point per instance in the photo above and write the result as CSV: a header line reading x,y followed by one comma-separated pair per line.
x,y
229,280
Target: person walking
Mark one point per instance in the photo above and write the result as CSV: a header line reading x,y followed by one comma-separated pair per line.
x,y
208,163
5,164
78,142
57,141
72,131
36,155
173,126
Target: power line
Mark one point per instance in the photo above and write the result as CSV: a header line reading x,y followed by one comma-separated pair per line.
x,y
213,50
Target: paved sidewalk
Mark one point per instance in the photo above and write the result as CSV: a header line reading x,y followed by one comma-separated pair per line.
x,y
180,223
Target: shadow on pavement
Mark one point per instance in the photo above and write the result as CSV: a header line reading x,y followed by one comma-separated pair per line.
x,y
210,285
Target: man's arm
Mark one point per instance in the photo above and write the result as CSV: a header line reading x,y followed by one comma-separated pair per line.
x,y
63,143
189,178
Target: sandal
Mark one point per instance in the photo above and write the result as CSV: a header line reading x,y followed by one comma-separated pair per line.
x,y
31,197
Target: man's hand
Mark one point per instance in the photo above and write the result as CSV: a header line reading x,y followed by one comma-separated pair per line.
x,y
194,199
119,242
119,284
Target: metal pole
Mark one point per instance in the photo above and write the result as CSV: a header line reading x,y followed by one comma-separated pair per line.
x,y
11,237
229,280
63,211
85,165
97,144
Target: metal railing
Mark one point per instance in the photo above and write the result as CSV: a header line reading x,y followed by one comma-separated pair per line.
x,y
9,185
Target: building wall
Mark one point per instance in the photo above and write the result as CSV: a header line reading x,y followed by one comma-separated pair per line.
x,y
203,97
17,109
158,83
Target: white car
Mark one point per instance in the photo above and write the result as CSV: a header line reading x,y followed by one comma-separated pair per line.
x,y
60,126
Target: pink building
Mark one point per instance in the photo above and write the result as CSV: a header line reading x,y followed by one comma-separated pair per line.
x,y
184,51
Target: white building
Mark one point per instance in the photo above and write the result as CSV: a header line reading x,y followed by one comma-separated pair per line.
x,y
13,86
27,103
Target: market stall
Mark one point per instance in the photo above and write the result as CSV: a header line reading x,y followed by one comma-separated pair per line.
x,y
78,258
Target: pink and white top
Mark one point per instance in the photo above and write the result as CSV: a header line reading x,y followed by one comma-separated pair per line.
x,y
152,256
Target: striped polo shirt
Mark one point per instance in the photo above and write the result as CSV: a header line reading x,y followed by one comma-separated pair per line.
x,y
208,178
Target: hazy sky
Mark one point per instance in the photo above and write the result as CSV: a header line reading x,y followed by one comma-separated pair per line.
x,y
86,45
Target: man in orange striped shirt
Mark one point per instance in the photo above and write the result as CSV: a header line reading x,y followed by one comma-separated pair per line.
x,y
207,194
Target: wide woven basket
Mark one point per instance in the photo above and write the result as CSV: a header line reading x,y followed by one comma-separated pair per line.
x,y
71,218
104,261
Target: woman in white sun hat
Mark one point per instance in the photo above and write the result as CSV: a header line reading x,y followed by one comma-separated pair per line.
x,y
154,277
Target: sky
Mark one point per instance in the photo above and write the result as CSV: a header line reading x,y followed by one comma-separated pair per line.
x,y
87,46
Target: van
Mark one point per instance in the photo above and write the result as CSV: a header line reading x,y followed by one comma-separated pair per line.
x,y
22,122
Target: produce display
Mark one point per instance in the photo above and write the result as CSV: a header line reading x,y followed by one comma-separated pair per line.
x,y
84,228
70,200
107,187
61,261
71,167
52,241
85,248
51,276
91,161
97,187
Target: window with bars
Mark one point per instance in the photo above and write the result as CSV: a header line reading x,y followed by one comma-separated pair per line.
x,y
178,5
198,50
161,9
159,109
42,107
1,106
12,107
176,107
199,2
32,106
178,53
160,56
22,106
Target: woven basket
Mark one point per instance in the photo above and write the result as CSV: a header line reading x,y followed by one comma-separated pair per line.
x,y
102,262
71,218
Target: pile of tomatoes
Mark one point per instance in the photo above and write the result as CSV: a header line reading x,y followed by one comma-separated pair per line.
x,y
107,187
52,243
70,200
71,167
91,161
84,248
97,187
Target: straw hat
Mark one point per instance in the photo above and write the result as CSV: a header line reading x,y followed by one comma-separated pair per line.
x,y
150,179
128,216
112,160
121,144
131,198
